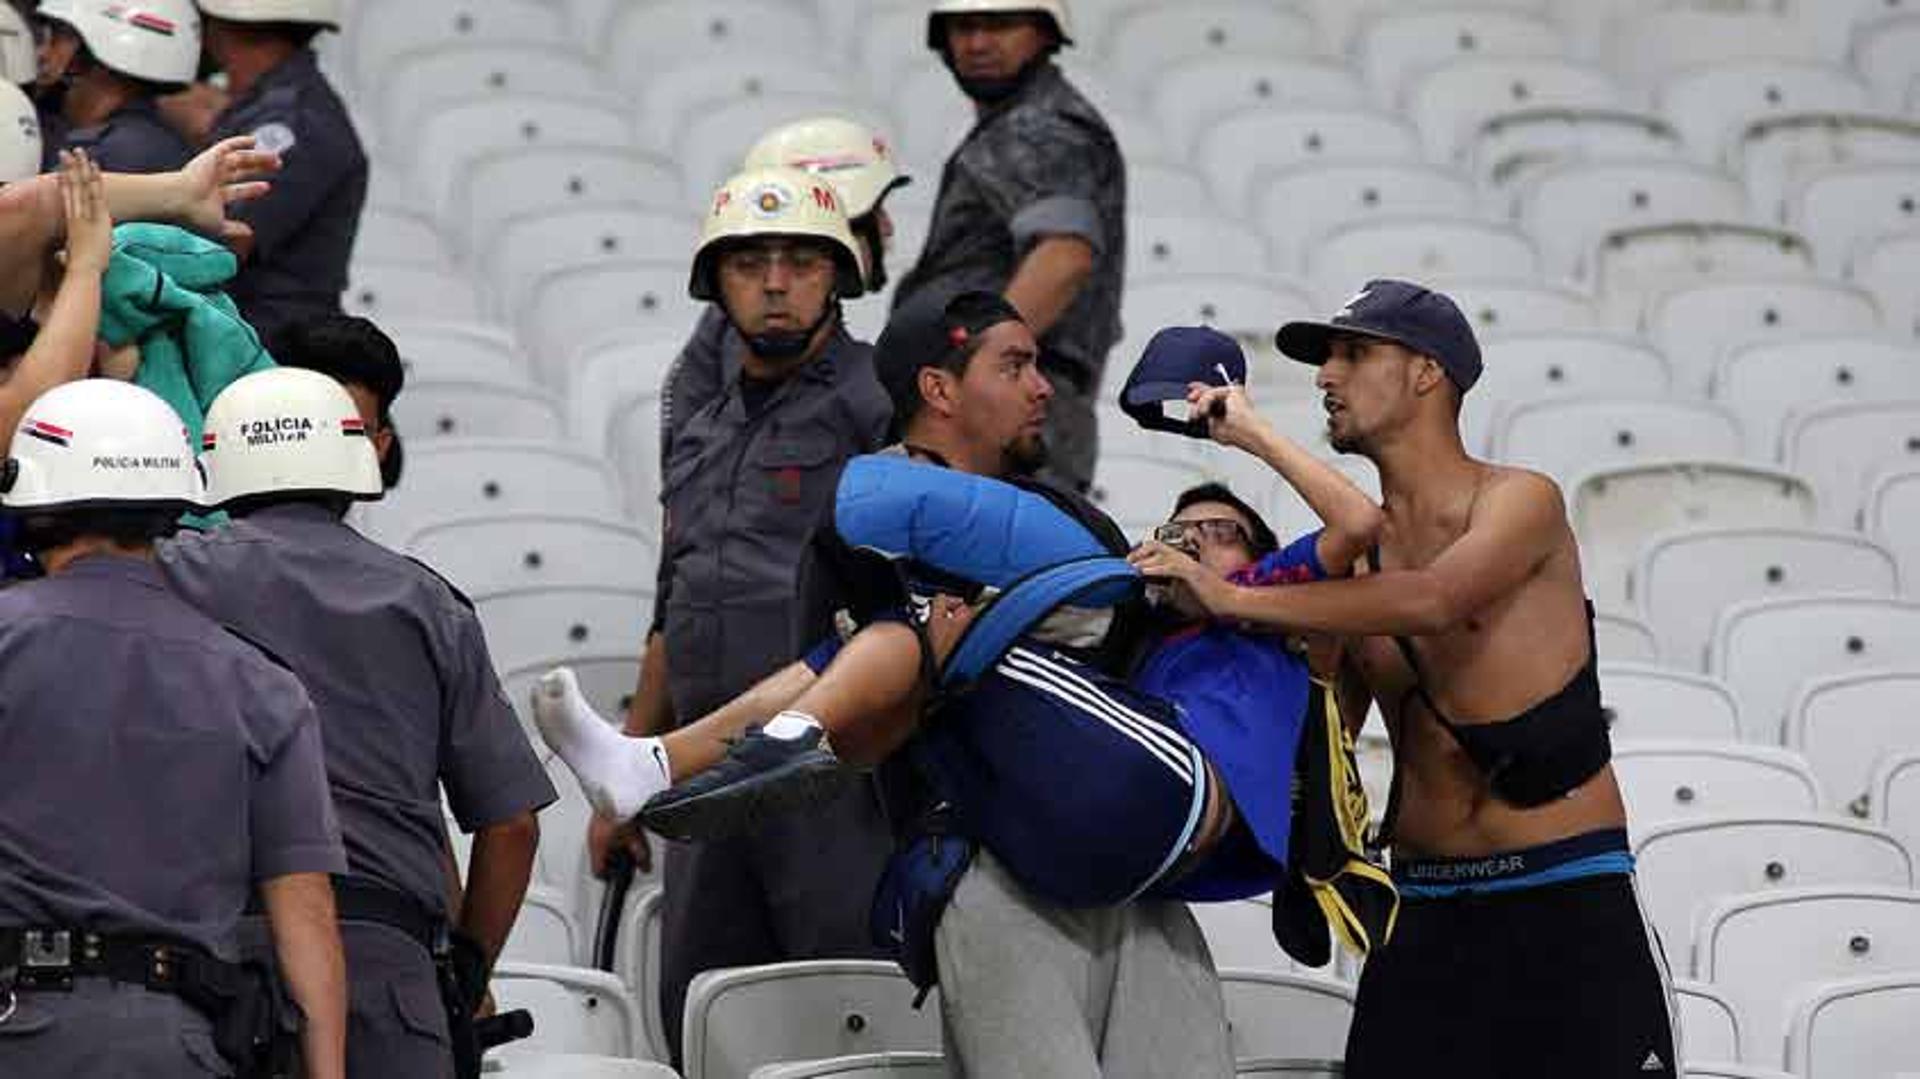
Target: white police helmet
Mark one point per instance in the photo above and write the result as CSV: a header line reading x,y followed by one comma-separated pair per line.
x,y
1052,9
18,65
776,202
155,40
312,12
851,154
19,135
287,431
99,444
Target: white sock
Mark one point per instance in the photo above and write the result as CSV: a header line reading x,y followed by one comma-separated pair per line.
x,y
788,725
616,772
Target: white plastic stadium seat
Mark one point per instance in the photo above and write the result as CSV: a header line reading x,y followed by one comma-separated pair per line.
x,y
1153,36
510,183
1450,102
1669,780
458,349
740,1019
1712,105
1764,383
1683,865
1617,508
1887,55
862,1066
1394,50
1636,265
1418,248
1695,326
1502,307
460,477
1843,445
1236,149
1240,937
1840,209
380,33
553,623
532,550
518,1065
1757,949
1341,20
641,37
544,931
1686,577
1287,1069
1569,209
637,960
1643,701
422,79
1718,1070
1624,638
574,1010
1526,364
1297,206
1708,1024
932,116
1244,304
1286,1016
1892,516
1884,267
526,249
1653,45
1172,245
382,291
1896,796
475,408
573,310
396,235
1564,436
1846,724
1188,96
670,97
1777,155
1765,649
1509,148
451,138
1856,1027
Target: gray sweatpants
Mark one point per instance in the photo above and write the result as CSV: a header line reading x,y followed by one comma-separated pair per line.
x,y
1032,991
106,1030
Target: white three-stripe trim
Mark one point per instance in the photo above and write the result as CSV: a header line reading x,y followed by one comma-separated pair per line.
x,y
1056,680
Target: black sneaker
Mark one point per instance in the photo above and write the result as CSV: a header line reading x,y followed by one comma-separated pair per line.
x,y
759,777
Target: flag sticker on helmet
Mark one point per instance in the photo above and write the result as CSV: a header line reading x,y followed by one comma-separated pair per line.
x,y
770,200
353,426
46,432
207,441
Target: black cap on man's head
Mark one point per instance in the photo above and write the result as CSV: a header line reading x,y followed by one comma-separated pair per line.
x,y
931,331
1406,314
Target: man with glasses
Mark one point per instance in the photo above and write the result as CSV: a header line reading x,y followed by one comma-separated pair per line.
x,y
746,475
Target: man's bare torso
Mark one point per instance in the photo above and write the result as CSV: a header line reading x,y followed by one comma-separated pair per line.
x,y
1510,655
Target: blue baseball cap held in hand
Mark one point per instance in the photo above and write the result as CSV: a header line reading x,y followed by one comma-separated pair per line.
x,y
1406,314
1177,357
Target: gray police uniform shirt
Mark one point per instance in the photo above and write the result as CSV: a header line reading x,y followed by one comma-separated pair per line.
x,y
134,139
743,489
153,766
706,365
303,230
1043,163
397,667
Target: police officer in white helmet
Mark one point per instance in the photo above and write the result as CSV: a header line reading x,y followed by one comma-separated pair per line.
x,y
750,469
160,770
102,67
408,703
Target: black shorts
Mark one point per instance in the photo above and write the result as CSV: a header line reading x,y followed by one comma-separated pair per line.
x,y
1562,979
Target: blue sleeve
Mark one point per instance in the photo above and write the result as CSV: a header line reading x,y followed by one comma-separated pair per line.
x,y
822,654
1296,563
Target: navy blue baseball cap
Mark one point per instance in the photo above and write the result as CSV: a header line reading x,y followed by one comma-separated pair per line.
x,y
1406,314
1175,358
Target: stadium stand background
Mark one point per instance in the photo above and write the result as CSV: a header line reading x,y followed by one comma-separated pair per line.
x,y
1688,234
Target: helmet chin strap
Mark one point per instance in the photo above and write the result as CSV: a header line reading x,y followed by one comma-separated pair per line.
x,y
867,228
991,92
786,345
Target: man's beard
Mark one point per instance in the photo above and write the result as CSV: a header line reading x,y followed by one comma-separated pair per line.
x,y
1026,455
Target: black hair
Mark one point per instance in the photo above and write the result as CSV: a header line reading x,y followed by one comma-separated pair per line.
x,y
123,526
946,336
1264,541
353,350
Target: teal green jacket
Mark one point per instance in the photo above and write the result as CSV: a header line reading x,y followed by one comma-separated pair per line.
x,y
162,292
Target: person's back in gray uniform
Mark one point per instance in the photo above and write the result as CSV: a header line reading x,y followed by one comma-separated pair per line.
x,y
294,267
101,72
408,702
1032,205
154,768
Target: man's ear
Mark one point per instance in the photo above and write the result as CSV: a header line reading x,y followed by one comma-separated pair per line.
x,y
1428,376
937,390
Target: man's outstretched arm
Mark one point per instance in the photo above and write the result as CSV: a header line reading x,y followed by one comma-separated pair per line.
x,y
1519,521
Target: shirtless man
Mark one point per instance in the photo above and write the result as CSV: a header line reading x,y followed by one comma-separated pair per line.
x,y
1521,939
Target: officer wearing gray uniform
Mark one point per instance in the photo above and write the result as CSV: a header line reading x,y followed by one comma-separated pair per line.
x,y
748,473
408,702
101,68
303,230
1032,205
154,768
